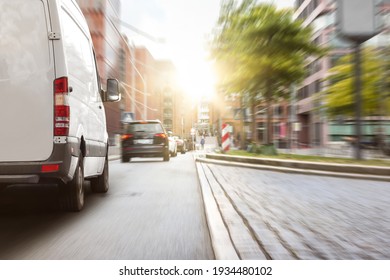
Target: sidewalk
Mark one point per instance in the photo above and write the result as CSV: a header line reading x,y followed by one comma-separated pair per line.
x,y
234,229
266,215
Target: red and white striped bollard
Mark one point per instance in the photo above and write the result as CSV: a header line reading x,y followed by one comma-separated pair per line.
x,y
225,137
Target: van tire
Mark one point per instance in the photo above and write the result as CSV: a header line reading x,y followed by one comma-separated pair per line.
x,y
72,193
100,184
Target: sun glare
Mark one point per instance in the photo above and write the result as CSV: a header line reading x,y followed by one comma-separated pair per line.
x,y
197,79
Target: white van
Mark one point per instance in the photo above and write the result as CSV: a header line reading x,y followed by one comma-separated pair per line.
x,y
52,119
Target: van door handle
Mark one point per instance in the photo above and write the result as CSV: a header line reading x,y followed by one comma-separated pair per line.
x,y
100,106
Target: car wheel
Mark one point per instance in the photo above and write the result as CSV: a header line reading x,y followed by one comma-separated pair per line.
x,y
72,193
125,159
166,156
100,184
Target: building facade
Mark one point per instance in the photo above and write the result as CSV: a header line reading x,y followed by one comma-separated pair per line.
x,y
145,75
174,106
148,86
315,129
321,15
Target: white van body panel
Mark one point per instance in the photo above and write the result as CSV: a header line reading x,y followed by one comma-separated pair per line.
x,y
30,60
26,81
87,110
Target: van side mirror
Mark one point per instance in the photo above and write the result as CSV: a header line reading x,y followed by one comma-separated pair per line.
x,y
112,93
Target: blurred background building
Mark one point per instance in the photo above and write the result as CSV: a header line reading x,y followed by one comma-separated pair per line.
x,y
174,105
321,15
146,83
315,128
150,90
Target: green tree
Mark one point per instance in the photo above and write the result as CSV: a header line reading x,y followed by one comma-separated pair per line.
x,y
260,51
340,98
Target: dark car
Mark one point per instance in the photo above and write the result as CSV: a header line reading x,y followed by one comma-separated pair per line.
x,y
144,139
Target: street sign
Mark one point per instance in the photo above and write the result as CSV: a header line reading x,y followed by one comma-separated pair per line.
x,y
358,20
127,117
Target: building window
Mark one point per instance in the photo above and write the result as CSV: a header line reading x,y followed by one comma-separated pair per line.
x,y
276,130
168,113
168,124
278,111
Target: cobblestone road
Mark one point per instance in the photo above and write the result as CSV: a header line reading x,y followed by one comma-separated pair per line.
x,y
273,215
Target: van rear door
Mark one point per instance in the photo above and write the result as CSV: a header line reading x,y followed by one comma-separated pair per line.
x,y
26,81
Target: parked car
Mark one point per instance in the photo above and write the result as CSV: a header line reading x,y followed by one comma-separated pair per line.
x,y
181,144
52,119
172,144
144,139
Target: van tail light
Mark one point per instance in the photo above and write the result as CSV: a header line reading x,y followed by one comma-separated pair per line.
x,y
126,136
61,107
50,168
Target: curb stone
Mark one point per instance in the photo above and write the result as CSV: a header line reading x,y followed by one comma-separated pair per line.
x,y
378,173
220,239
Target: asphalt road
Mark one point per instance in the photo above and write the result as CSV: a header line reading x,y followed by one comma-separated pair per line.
x,y
153,210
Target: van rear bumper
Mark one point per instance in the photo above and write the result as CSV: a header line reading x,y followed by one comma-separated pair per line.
x,y
19,179
62,164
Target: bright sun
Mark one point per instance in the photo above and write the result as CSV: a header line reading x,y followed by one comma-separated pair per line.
x,y
197,79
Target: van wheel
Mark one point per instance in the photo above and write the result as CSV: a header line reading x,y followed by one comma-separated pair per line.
x,y
72,193
100,184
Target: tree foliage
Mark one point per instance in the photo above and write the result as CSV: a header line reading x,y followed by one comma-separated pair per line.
x,y
340,94
260,50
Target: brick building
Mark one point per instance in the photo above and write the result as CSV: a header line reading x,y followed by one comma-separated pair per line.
x,y
148,86
102,16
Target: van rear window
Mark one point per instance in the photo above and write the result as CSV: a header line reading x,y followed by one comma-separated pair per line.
x,y
24,44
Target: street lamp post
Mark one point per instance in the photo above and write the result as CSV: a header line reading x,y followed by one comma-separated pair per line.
x,y
358,100
350,24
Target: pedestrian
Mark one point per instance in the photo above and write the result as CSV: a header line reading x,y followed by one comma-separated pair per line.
x,y
202,142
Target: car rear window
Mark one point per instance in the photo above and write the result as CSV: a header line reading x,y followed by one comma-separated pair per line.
x,y
144,127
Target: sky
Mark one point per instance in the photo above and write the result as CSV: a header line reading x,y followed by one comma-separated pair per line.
x,y
184,27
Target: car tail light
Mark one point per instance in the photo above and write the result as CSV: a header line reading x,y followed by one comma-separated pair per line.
x,y
126,136
160,138
160,135
61,107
